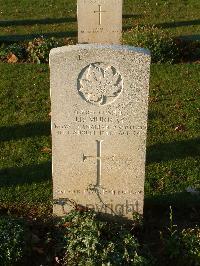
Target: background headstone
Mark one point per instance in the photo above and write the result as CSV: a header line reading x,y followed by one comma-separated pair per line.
x,y
99,21
99,100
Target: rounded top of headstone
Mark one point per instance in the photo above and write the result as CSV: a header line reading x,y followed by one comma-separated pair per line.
x,y
123,48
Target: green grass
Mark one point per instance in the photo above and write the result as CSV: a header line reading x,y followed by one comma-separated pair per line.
x,y
58,18
25,132
173,156
180,17
174,129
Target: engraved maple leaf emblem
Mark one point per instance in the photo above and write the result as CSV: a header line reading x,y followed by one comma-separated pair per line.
x,y
100,84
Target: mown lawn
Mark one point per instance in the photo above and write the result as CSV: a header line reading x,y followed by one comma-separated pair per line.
x,y
23,19
25,136
173,152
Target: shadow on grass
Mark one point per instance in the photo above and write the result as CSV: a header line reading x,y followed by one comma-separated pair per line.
x,y
25,175
24,37
174,150
185,209
23,131
27,37
29,22
155,153
46,21
176,24
126,28
189,37
134,16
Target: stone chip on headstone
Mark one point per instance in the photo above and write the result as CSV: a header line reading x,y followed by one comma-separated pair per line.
x,y
99,96
99,21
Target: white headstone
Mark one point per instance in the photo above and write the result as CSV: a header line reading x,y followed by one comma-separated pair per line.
x,y
99,98
99,21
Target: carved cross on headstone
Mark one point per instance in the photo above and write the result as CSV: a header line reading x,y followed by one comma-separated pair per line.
x,y
99,162
100,11
98,157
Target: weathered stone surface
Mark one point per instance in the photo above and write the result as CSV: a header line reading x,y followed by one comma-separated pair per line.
x,y
99,100
99,21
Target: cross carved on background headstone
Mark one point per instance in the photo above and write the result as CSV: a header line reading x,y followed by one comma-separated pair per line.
x,y
100,11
